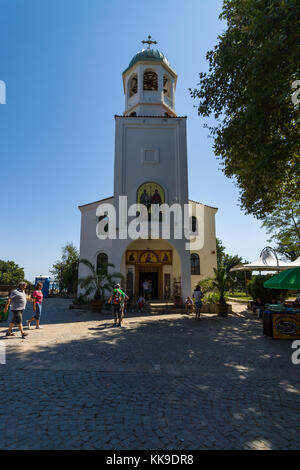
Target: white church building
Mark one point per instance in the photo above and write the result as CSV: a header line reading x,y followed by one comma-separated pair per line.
x,y
151,168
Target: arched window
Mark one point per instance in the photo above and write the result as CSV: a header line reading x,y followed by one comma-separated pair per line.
x,y
104,217
195,263
133,85
150,81
194,224
102,260
133,114
167,86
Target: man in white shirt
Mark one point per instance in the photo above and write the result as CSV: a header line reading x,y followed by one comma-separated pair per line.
x,y
17,302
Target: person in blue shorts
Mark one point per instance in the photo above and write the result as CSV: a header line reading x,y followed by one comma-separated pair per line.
x,y
198,302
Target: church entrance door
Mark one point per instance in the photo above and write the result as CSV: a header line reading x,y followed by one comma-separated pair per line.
x,y
152,272
153,277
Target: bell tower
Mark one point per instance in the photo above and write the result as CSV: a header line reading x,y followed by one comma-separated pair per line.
x,y
149,84
151,161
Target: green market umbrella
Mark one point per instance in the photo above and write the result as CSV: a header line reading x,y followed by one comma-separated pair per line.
x,y
288,279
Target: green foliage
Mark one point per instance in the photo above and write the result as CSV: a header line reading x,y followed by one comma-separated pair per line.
x,y
220,283
248,91
211,298
239,295
65,271
10,273
257,289
220,252
206,285
236,279
99,281
284,226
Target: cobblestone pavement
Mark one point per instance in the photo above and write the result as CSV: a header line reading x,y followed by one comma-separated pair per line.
x,y
167,382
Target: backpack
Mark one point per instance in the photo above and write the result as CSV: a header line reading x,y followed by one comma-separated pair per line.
x,y
117,297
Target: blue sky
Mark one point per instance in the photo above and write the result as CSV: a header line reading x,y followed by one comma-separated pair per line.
x,y
62,62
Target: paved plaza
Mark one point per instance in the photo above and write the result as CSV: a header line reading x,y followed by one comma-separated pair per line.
x,y
161,382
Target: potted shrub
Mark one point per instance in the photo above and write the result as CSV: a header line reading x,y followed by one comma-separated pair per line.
x,y
98,282
220,283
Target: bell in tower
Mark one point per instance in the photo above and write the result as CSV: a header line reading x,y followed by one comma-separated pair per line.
x,y
149,84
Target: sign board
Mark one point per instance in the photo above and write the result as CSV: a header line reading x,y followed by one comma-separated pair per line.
x,y
286,326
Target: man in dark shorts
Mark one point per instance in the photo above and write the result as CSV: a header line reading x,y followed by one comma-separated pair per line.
x,y
17,302
117,299
198,302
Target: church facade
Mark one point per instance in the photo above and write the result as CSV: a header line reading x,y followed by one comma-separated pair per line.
x,y
151,171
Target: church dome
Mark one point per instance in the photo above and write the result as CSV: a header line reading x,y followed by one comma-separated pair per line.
x,y
150,55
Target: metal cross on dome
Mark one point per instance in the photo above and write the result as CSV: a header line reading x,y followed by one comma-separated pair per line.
x,y
149,41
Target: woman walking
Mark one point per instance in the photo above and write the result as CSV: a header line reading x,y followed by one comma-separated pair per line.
x,y
37,306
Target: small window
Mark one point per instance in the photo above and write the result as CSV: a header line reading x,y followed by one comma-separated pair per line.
x,y
150,81
195,263
102,261
194,224
133,114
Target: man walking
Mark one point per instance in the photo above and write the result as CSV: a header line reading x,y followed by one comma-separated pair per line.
x,y
17,302
118,298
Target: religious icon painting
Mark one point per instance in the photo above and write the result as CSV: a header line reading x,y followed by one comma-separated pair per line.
x,y
150,193
148,257
131,257
165,257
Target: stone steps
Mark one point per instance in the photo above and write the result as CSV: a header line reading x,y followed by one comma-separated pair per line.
x,y
159,307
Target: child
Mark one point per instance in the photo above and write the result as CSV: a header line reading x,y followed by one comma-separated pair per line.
x,y
140,303
188,305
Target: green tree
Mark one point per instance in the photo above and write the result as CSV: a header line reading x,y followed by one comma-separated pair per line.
x,y
284,226
247,89
99,280
236,279
65,270
10,273
220,283
220,252
257,289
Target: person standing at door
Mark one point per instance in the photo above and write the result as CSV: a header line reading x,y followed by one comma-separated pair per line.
x,y
145,288
150,287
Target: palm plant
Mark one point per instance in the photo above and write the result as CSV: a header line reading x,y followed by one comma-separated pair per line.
x,y
221,282
99,280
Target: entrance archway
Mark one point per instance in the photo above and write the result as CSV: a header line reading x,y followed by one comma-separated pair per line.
x,y
154,260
